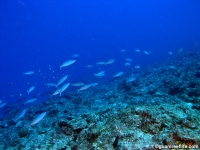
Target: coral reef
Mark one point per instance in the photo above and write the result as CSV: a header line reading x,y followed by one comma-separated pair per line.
x,y
160,107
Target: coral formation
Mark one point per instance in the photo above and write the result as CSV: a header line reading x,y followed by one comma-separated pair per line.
x,y
160,107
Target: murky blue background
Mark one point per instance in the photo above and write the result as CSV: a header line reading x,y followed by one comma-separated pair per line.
x,y
41,35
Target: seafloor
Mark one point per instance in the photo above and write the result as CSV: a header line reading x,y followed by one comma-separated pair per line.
x,y
161,107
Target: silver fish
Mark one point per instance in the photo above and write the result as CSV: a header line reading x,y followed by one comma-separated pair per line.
x,y
122,50
30,100
75,56
93,84
31,89
137,50
78,84
56,92
118,74
62,80
67,63
2,105
127,64
110,61
20,116
131,79
63,88
99,74
128,59
101,63
137,67
84,87
147,53
89,66
51,84
28,73
38,118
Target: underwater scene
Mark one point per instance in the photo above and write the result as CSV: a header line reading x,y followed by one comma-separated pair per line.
x,y
99,74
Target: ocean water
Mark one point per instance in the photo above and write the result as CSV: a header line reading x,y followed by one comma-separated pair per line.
x,y
40,35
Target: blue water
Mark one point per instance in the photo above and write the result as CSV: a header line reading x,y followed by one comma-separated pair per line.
x,y
41,35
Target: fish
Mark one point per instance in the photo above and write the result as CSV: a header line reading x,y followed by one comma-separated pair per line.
x,y
99,74
31,89
122,50
131,79
118,74
28,73
127,64
172,67
84,87
110,61
63,88
93,84
78,84
137,50
75,56
147,53
20,116
101,63
180,50
38,118
170,53
137,67
2,105
56,92
51,84
30,100
61,80
128,59
89,66
67,63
